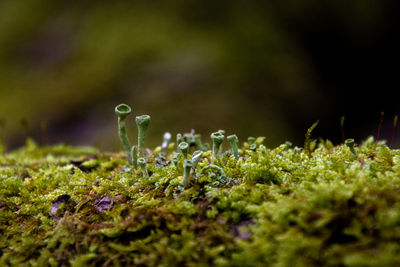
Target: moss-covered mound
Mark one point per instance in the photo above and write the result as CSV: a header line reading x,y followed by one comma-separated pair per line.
x,y
324,205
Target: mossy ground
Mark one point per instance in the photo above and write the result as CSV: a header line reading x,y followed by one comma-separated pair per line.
x,y
278,207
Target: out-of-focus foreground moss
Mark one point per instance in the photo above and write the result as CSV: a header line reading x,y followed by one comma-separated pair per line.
x,y
285,206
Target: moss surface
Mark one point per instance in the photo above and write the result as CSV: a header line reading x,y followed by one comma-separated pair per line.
x,y
281,207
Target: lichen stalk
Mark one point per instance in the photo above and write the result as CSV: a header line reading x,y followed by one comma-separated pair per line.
x,y
196,157
217,139
142,123
184,148
179,138
350,144
134,155
122,111
221,132
252,143
233,140
142,163
197,141
186,174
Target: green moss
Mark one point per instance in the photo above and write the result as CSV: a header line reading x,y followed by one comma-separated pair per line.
x,y
280,207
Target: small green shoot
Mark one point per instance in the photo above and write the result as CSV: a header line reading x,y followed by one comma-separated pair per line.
x,y
308,141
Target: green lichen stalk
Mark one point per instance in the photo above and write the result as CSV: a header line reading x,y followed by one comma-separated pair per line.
x,y
222,132
142,123
179,138
175,159
142,163
252,143
217,139
134,155
196,157
186,175
199,144
122,112
184,148
350,144
234,142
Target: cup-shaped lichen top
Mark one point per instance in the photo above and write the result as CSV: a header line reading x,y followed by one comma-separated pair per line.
x,y
221,132
350,144
217,139
122,110
142,123
252,142
184,147
186,174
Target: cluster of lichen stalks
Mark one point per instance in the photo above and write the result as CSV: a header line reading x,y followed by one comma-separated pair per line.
x,y
136,155
317,205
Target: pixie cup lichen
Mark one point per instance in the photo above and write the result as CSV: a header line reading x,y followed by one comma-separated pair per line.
x,y
142,163
217,139
199,143
142,123
186,175
234,142
184,148
350,144
196,157
252,143
179,138
122,111
134,155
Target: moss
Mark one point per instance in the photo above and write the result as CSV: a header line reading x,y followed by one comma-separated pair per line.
x,y
281,207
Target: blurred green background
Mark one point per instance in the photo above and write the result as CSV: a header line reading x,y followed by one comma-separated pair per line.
x,y
259,68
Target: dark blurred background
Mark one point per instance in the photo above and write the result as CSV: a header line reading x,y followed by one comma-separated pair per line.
x,y
259,68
